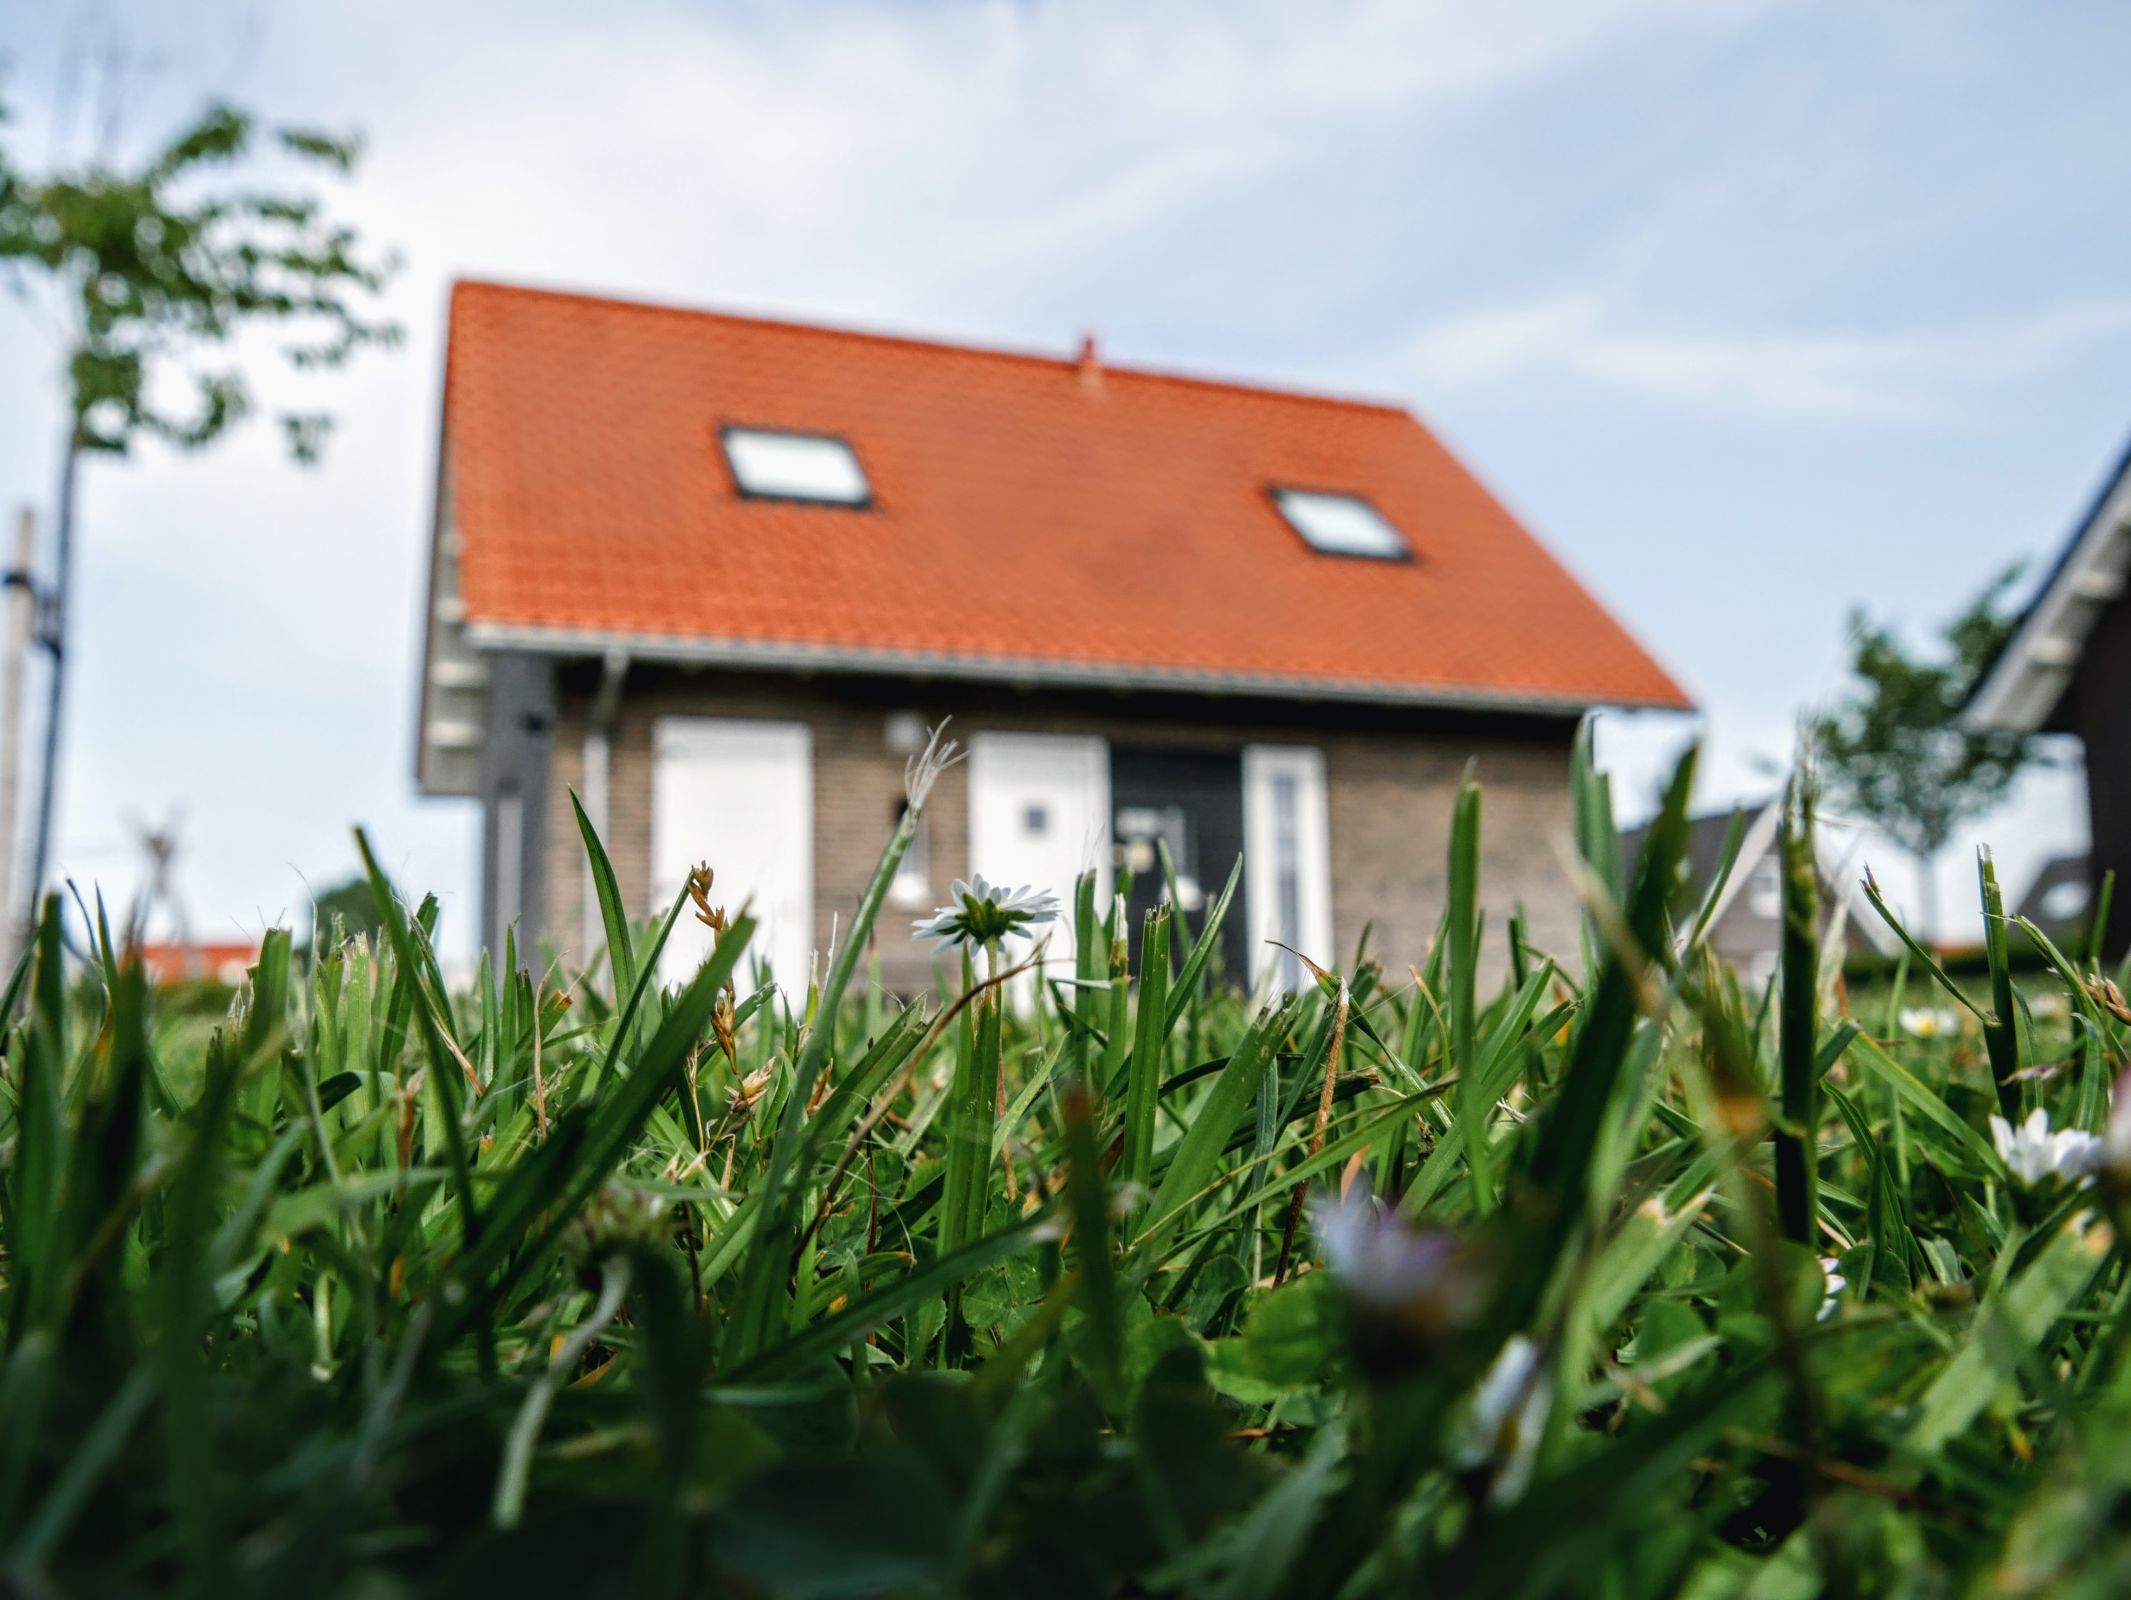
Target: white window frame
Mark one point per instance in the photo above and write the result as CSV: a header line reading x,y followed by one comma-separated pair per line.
x,y
1274,777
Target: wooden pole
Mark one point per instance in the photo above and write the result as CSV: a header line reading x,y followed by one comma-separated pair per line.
x,y
21,620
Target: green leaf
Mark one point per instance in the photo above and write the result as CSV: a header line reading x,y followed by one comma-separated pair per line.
x,y
1217,1116
621,956
1295,1334
2011,1329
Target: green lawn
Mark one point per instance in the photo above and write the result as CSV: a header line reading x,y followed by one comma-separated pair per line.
x,y
584,1287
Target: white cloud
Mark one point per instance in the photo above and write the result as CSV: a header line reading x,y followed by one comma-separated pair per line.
x,y
1908,375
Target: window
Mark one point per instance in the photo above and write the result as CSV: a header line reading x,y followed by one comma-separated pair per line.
x,y
911,887
739,794
2063,900
1341,525
1765,893
1287,860
796,466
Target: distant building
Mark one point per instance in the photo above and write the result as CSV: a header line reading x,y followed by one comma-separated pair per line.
x,y
2059,898
2067,669
1747,930
166,964
717,574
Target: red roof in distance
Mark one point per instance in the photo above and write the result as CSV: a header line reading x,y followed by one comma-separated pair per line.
x,y
1027,511
227,962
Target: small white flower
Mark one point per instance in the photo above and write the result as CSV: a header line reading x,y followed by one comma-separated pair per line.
x,y
1829,1269
984,911
1504,1418
1382,1262
2037,1157
1929,1022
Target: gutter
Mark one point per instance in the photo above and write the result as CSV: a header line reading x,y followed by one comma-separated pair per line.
x,y
1029,671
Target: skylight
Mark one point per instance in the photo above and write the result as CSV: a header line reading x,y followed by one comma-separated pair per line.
x,y
1341,524
796,466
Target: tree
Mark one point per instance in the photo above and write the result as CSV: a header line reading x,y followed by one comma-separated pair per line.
x,y
346,911
152,273
1895,754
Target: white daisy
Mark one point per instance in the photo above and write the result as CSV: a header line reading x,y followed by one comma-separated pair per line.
x,y
1929,1022
1504,1418
983,912
1836,1283
2037,1157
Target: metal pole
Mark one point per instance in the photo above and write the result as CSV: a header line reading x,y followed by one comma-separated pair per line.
x,y
52,635
21,619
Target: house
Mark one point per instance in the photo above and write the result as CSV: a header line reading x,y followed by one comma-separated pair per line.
x,y
1746,930
718,574
178,962
2067,669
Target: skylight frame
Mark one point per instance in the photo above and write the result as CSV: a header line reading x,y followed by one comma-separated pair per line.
x,y
1279,494
730,431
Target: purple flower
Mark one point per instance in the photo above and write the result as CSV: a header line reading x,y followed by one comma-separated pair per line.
x,y
1409,1288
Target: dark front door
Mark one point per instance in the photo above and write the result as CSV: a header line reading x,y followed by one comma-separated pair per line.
x,y
1191,801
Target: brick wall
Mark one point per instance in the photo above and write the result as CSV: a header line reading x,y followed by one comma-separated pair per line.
x,y
1390,784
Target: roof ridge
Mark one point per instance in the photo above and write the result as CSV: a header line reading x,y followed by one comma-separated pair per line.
x,y
1066,363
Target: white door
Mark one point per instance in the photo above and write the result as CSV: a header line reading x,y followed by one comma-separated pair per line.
x,y
1287,861
1039,814
738,794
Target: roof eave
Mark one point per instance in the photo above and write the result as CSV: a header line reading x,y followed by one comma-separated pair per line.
x,y
2021,691
1036,672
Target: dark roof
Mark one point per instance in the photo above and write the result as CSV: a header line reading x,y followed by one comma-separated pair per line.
x,y
2020,689
1705,841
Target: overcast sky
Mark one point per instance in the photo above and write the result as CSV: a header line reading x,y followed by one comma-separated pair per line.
x,y
1754,312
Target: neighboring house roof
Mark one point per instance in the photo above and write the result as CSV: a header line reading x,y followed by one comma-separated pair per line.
x,y
2057,898
1705,844
178,963
2021,691
1706,836
1031,519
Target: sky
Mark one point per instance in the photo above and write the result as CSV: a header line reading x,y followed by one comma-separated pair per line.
x,y
1755,313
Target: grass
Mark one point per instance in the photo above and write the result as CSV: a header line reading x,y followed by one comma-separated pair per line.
x,y
571,1284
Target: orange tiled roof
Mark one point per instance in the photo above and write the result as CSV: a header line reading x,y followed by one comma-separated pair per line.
x,y
174,963
1026,512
